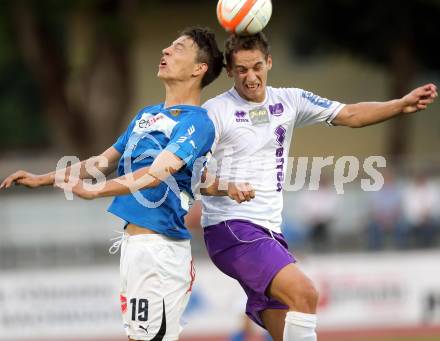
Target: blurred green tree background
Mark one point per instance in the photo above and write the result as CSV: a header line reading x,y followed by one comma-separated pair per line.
x,y
66,75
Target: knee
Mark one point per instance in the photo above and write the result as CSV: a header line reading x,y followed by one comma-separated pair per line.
x,y
310,294
293,288
304,297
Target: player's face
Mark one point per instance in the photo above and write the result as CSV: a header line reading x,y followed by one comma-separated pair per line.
x,y
179,60
249,70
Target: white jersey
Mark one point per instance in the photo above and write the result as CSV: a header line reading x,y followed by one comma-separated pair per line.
x,y
252,145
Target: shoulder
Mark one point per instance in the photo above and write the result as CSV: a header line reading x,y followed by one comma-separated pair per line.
x,y
219,106
217,102
203,120
198,118
285,93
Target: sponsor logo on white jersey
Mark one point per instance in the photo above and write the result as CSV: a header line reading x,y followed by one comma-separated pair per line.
x,y
259,116
240,116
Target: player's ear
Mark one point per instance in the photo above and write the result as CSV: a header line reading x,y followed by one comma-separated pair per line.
x,y
229,71
269,62
200,68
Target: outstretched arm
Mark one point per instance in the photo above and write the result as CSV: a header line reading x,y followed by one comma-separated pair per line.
x,y
27,179
368,113
165,164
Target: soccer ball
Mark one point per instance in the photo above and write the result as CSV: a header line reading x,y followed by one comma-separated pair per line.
x,y
244,17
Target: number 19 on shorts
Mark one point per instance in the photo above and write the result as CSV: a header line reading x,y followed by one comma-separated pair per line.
x,y
139,309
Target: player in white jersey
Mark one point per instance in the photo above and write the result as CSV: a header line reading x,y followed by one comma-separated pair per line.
x,y
254,125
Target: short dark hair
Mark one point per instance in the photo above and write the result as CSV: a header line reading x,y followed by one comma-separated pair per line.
x,y
236,43
209,52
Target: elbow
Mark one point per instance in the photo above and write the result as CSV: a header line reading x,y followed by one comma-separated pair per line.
x,y
348,117
149,181
355,123
350,122
154,181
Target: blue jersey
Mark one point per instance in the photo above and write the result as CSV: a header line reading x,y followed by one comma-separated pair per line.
x,y
184,130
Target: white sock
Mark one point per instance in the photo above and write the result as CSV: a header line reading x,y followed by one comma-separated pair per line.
x,y
300,327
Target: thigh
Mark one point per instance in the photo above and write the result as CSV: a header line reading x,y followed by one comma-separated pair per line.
x,y
158,276
252,256
292,287
247,253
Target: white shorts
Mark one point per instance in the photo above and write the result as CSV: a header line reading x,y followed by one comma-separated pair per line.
x,y
157,274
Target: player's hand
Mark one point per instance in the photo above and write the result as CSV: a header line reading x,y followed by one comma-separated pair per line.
x,y
78,189
24,178
240,192
419,98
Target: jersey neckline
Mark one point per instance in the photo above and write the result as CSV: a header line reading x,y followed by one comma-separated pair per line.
x,y
181,106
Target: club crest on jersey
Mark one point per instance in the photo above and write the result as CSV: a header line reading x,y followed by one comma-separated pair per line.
x,y
259,116
175,112
276,109
240,116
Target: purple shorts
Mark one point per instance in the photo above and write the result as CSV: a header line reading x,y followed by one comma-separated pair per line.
x,y
248,253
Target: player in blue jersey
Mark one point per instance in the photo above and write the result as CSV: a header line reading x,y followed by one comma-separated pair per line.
x,y
162,140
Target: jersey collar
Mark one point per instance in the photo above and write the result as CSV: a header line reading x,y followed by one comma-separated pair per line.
x,y
182,107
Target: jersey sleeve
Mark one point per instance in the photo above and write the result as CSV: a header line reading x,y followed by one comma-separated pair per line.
x,y
192,138
312,109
